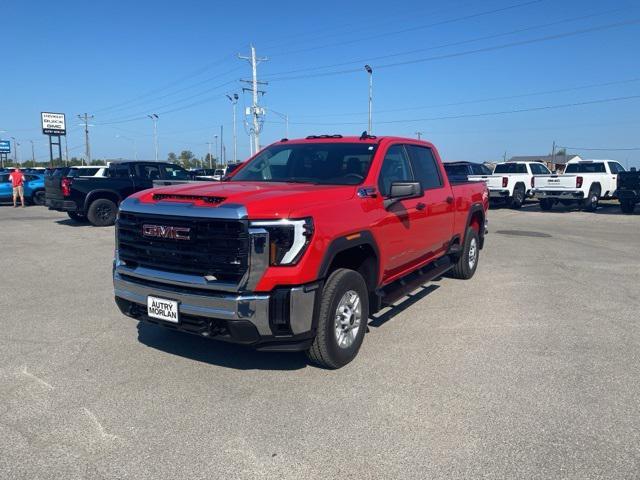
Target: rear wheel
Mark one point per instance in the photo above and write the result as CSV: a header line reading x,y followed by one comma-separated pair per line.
x,y
38,197
342,319
546,204
77,217
518,197
627,206
467,262
590,204
102,212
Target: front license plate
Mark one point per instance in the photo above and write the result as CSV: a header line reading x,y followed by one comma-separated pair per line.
x,y
163,309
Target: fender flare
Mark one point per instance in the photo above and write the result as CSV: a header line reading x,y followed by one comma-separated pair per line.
x,y
476,207
93,193
341,244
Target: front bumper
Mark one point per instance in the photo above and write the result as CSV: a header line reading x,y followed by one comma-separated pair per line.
x,y
61,205
277,320
559,194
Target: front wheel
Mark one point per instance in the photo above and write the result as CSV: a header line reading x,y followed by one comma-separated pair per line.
x,y
102,212
627,206
342,319
467,262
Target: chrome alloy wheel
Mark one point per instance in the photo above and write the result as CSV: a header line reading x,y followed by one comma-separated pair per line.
x,y
473,253
347,319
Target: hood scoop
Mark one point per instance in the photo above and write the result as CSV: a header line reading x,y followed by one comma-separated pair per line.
x,y
210,199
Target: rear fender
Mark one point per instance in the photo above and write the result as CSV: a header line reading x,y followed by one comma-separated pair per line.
x,y
95,194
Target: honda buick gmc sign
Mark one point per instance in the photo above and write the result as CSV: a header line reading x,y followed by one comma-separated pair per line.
x,y
53,123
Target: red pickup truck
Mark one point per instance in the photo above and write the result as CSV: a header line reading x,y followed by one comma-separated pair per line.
x,y
297,247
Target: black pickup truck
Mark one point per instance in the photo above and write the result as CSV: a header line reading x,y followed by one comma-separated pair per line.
x,y
628,190
96,199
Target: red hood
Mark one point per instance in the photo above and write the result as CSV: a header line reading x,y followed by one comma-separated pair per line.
x,y
262,199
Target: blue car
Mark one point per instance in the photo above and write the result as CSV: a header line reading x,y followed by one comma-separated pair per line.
x,y
33,188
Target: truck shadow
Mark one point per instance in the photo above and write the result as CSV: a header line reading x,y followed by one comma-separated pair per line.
x,y
217,352
603,209
379,319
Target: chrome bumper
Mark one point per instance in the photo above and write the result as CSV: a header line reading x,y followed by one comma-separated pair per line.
x,y
559,194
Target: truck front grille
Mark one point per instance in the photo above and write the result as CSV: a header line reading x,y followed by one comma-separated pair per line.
x,y
216,247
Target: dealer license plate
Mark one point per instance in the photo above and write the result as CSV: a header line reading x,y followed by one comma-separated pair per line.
x,y
163,309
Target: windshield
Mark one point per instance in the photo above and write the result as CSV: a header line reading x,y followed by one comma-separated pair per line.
x,y
585,168
510,168
319,163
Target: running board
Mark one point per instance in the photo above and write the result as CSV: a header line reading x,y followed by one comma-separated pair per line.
x,y
393,292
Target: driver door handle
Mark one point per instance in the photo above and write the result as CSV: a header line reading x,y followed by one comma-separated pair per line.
x,y
420,206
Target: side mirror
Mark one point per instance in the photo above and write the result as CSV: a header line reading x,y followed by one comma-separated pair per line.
x,y
403,191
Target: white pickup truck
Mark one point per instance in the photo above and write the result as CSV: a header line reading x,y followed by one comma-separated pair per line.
x,y
512,181
584,182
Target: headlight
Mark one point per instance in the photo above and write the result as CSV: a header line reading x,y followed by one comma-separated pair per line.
x,y
288,239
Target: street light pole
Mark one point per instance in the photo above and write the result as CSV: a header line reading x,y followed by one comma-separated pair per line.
x,y
15,150
234,102
215,139
370,72
285,117
154,119
33,154
419,135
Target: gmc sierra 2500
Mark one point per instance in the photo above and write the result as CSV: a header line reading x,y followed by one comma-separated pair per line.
x,y
299,245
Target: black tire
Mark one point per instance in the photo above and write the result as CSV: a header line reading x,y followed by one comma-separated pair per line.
x,y
325,350
518,198
590,204
102,212
627,206
38,197
77,217
546,204
464,268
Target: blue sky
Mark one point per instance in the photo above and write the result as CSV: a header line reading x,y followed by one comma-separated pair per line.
x,y
448,69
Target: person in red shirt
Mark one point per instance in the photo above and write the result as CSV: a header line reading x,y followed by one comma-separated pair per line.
x,y
17,182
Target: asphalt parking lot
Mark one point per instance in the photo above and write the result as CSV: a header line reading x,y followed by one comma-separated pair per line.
x,y
529,370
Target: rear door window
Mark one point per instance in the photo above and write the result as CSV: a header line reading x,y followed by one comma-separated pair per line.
x,y
425,167
615,167
148,172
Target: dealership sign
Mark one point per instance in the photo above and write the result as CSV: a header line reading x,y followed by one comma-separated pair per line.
x,y
53,124
5,146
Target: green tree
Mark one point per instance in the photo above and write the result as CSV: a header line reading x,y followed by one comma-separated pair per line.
x,y
172,157
187,159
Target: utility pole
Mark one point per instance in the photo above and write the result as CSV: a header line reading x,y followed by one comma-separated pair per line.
x,y
370,72
504,157
154,119
234,101
85,118
553,155
66,151
256,112
419,135
33,154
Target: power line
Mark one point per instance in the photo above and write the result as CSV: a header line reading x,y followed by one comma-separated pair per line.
x,y
469,52
486,99
484,114
420,27
601,149
450,44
